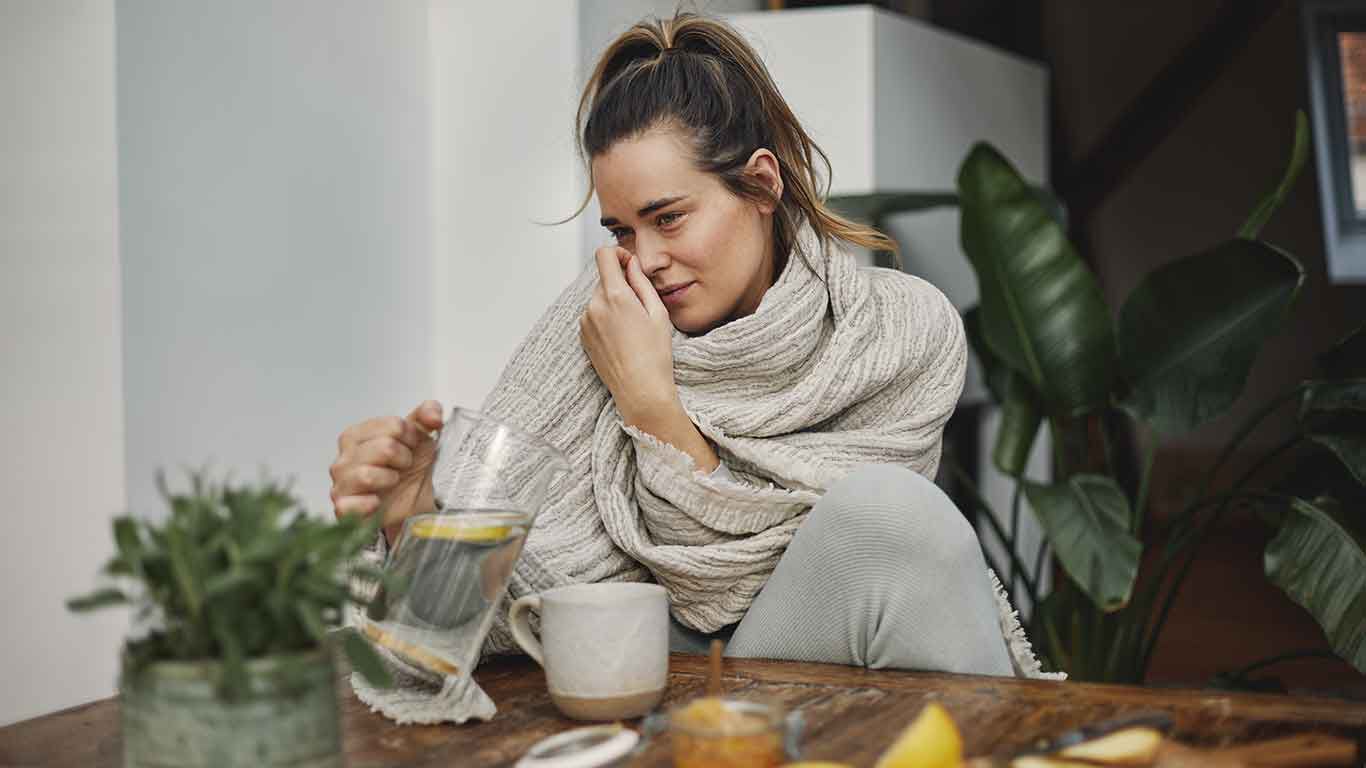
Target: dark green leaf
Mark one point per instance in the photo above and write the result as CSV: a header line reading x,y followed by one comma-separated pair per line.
x,y
234,661
1021,416
1319,559
994,370
311,620
264,549
1333,414
232,580
182,567
128,542
1022,412
1042,310
1086,519
1347,358
364,659
97,599
1298,153
1188,335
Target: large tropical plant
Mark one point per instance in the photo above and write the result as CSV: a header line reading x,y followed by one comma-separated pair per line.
x,y
1177,355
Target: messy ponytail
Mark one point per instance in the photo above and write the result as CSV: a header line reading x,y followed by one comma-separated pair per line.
x,y
699,76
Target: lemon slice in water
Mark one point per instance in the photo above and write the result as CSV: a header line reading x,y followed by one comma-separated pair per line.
x,y
452,531
415,653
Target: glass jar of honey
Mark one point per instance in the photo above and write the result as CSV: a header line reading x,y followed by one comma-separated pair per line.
x,y
725,732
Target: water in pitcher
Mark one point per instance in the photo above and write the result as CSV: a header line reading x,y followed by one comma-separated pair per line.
x,y
455,564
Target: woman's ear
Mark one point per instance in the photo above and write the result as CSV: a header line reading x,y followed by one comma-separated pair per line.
x,y
764,165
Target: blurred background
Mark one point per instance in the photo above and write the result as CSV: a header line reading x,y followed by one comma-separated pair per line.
x,y
230,229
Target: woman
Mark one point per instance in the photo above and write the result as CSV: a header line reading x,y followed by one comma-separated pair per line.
x,y
751,418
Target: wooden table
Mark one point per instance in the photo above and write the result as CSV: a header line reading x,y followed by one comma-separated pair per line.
x,y
851,715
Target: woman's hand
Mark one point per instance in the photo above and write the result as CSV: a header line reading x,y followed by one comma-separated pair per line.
x,y
628,336
384,466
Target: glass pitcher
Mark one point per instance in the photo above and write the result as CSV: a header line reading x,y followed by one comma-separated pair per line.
x,y
489,481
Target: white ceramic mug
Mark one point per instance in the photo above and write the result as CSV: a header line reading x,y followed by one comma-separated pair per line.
x,y
604,647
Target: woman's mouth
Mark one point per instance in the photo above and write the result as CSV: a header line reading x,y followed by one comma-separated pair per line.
x,y
676,295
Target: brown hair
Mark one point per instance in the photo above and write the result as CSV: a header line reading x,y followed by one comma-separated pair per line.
x,y
698,75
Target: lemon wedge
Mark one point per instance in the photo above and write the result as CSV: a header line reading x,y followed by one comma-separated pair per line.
x,y
931,741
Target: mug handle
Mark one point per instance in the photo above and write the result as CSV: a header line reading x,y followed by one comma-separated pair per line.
x,y
521,627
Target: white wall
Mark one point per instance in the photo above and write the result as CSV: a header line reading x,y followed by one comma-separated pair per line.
x,y
275,231
330,213
61,412
503,90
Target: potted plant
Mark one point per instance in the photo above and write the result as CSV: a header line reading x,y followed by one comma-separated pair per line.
x,y
234,591
1175,355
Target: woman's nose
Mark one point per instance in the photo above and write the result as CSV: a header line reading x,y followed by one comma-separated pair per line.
x,y
653,257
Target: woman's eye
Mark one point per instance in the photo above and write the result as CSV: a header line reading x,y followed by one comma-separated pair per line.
x,y
620,234
668,218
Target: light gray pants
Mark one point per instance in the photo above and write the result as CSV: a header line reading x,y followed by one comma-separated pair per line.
x,y
884,572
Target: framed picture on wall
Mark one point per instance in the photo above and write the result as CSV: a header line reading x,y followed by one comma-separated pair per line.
x,y
1335,48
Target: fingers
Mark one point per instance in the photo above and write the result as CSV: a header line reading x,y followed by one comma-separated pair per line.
x,y
427,416
380,452
344,506
645,290
362,479
399,429
613,282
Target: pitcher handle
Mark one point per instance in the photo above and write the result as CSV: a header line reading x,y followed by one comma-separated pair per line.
x,y
521,626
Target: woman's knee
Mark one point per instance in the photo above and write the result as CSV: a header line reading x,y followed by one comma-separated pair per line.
x,y
881,508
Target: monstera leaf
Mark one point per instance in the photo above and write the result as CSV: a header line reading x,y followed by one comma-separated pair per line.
x,y
1333,414
1042,310
1190,332
1087,521
1319,559
1021,411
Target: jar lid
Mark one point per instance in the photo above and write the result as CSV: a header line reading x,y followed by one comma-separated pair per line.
x,y
591,747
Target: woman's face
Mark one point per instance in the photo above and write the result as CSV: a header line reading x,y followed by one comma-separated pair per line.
x,y
688,231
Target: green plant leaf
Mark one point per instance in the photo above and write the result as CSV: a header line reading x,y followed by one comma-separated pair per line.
x,y
1042,310
97,599
364,659
1333,414
182,567
1021,416
1319,559
1347,358
1087,521
128,543
234,669
1190,332
1299,152
1022,412
224,583
311,620
994,370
